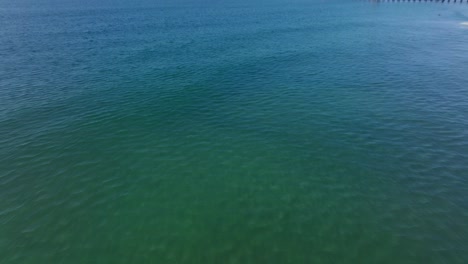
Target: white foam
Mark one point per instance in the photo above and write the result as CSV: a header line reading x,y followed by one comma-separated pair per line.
x,y
464,23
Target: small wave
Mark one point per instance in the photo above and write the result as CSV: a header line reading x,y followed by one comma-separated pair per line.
x,y
464,24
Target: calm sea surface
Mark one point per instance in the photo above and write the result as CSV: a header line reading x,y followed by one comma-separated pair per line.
x,y
233,132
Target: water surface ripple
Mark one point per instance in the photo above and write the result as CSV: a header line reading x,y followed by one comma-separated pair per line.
x,y
320,132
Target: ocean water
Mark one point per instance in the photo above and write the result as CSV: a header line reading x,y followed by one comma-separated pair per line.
x,y
233,132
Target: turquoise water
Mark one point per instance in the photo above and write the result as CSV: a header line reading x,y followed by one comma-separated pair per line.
x,y
233,132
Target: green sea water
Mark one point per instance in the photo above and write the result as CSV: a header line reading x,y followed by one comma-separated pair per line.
x,y
233,132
